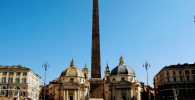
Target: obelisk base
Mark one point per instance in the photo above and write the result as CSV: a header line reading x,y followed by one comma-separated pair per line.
x,y
96,89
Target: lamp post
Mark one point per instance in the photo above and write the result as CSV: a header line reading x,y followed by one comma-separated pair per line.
x,y
146,66
45,66
194,18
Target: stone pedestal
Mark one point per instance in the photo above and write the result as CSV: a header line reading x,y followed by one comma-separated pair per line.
x,y
96,88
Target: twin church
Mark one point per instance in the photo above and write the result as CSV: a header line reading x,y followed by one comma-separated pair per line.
x,y
120,83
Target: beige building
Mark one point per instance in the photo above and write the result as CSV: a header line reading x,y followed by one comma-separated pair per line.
x,y
73,84
175,82
121,83
18,82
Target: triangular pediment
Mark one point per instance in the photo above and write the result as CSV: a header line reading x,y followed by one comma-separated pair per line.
x,y
71,84
124,83
121,84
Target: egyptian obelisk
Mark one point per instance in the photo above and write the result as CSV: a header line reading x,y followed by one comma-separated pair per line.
x,y
96,83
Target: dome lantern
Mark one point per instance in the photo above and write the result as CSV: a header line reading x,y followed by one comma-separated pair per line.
x,y
122,69
72,71
121,61
72,64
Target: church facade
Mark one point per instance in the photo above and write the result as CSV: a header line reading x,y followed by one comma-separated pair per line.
x,y
73,84
121,83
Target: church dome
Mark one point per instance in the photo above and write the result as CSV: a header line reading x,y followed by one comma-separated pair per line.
x,y
72,71
122,69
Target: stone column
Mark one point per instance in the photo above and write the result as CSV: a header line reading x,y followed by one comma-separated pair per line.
x,y
78,94
131,90
128,94
64,95
67,96
83,94
138,93
75,94
118,94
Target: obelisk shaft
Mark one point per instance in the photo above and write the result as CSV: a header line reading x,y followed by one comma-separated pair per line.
x,y
96,83
95,61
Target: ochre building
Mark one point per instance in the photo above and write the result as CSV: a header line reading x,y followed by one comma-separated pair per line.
x,y
19,83
175,82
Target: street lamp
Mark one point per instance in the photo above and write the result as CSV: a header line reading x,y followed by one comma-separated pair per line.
x,y
146,66
45,66
194,18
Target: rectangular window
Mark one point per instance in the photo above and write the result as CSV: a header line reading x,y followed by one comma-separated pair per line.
x,y
174,73
187,72
193,71
181,79
167,72
3,80
23,94
11,73
9,93
2,93
179,72
16,93
174,79
10,80
18,74
167,79
17,80
24,74
4,73
187,78
122,78
24,80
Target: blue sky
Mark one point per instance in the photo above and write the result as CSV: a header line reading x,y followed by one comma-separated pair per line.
x,y
35,31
